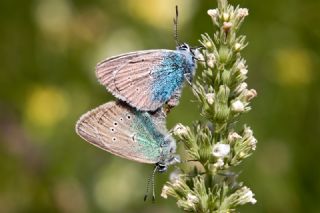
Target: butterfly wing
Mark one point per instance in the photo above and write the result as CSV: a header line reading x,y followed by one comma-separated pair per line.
x,y
123,131
144,79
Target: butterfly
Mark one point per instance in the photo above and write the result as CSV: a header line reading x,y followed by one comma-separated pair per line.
x,y
150,78
135,135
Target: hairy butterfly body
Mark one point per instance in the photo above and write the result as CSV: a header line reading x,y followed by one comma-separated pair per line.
x,y
148,79
128,133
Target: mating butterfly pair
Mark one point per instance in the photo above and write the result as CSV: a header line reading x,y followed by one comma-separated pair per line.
x,y
134,126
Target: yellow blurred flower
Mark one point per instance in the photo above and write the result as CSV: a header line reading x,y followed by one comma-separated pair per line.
x,y
45,106
160,13
294,67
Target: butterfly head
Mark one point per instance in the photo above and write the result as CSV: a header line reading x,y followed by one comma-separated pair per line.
x,y
193,51
168,155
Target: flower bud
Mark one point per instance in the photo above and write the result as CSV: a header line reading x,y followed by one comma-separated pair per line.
x,y
233,136
211,60
242,68
237,47
220,150
241,87
164,192
208,44
214,13
219,163
225,16
210,98
243,71
247,132
241,65
242,12
250,94
192,199
246,196
227,26
180,130
237,106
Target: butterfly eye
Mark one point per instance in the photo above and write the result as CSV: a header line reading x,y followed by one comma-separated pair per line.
x,y
184,46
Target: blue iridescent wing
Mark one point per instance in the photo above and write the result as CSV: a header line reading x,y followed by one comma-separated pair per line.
x,y
125,132
144,79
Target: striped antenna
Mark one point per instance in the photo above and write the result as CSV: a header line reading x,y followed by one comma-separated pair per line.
x,y
175,25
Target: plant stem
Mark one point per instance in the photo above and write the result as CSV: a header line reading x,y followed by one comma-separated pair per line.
x,y
214,144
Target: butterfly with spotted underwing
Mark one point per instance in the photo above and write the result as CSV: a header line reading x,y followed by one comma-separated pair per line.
x,y
126,132
148,79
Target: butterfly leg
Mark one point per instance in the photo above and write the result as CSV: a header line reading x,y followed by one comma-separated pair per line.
x,y
188,77
174,100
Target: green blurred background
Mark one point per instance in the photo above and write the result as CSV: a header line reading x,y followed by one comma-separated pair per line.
x,y
48,51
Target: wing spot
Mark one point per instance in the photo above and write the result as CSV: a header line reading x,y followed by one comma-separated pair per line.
x,y
115,123
112,129
121,119
114,139
128,117
137,89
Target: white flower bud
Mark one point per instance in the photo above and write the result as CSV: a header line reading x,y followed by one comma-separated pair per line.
x,y
250,139
192,199
226,16
242,68
241,87
180,130
253,143
237,47
199,56
227,25
213,13
208,44
233,136
210,97
211,60
164,192
247,132
237,106
241,65
243,71
250,94
219,163
221,150
246,196
243,12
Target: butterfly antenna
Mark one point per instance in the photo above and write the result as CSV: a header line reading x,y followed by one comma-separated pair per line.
x,y
175,24
150,180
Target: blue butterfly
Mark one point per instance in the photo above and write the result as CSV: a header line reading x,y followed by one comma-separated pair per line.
x,y
148,79
135,135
